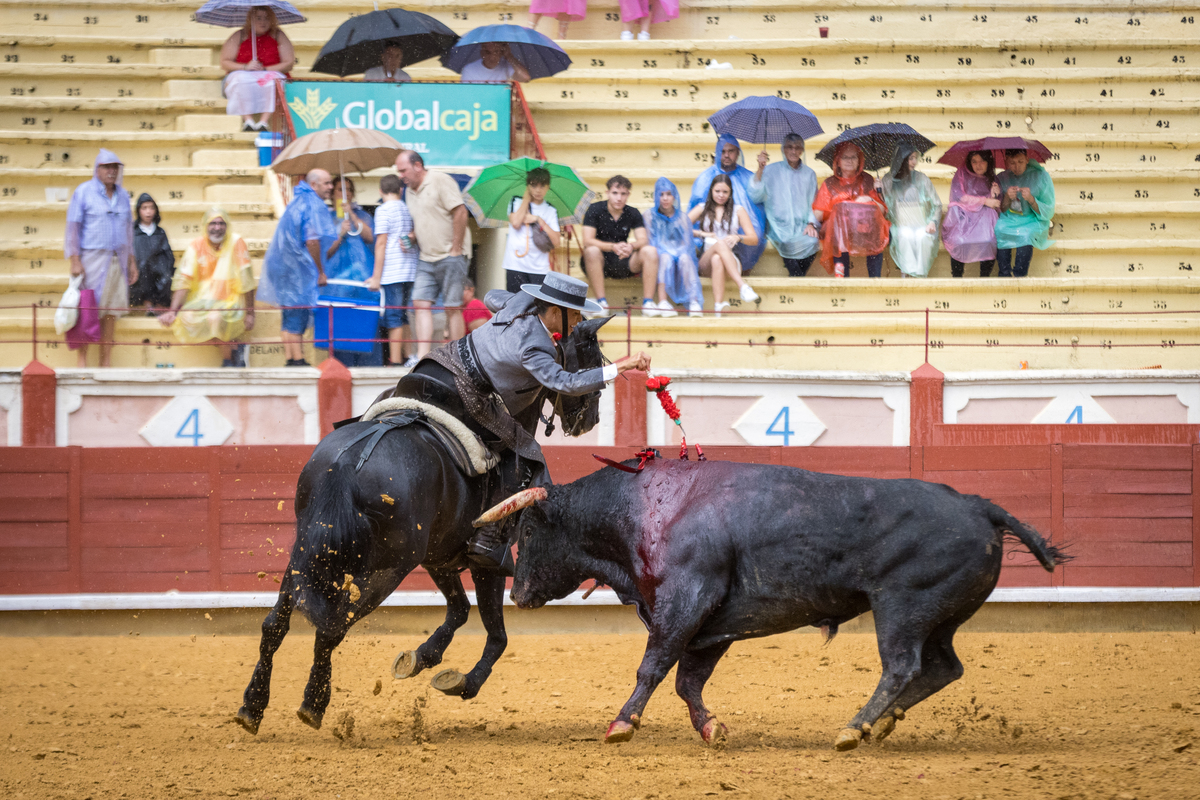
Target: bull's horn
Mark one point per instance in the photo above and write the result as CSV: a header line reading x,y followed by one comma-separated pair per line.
x,y
522,499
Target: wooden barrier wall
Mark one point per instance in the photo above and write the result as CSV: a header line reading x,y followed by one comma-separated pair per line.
x,y
212,519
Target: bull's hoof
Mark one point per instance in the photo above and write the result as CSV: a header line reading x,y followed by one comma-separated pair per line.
x,y
619,731
310,717
848,739
449,681
248,720
405,665
883,727
714,733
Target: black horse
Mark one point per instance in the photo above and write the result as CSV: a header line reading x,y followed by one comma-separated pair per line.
x,y
360,531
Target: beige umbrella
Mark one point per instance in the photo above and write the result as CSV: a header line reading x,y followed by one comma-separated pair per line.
x,y
335,149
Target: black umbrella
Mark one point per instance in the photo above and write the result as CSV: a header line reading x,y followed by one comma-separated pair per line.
x,y
358,44
878,143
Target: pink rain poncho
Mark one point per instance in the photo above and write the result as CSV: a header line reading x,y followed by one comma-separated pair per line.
x,y
662,10
969,230
571,9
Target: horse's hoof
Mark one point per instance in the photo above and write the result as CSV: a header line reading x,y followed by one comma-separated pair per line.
x,y
619,731
898,713
883,727
714,733
247,720
405,665
449,681
848,739
310,718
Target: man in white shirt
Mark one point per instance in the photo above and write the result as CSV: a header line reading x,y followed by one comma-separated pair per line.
x,y
524,261
495,65
389,70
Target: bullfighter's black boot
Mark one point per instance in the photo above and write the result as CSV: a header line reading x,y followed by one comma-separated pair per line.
x,y
491,549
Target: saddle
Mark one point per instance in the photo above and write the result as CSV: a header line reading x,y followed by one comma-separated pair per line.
x,y
465,448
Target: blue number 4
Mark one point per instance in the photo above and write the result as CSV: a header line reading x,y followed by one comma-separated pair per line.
x,y
787,433
193,419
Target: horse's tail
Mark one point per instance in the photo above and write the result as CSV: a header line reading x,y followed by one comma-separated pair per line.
x,y
333,539
1047,554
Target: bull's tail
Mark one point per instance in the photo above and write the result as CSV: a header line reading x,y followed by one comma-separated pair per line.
x,y
333,539
1048,554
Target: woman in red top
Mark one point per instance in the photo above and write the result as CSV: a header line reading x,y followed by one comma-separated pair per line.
x,y
851,210
253,63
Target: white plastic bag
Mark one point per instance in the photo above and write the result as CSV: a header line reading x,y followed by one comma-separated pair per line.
x,y
67,313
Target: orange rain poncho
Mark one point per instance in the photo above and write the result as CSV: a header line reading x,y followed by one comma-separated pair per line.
x,y
852,223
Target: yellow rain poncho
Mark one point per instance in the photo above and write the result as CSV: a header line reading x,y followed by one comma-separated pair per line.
x,y
216,280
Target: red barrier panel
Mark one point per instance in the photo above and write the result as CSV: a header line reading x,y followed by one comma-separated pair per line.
x,y
221,518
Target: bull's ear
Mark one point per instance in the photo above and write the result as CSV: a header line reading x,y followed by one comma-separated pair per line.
x,y
589,327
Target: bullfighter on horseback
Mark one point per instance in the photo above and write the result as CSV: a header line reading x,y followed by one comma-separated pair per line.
x,y
495,376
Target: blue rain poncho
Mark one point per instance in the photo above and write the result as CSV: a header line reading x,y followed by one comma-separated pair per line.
x,y
787,195
353,261
672,238
289,275
1019,225
740,177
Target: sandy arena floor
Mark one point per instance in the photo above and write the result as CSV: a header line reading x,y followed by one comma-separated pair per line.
x,y
1035,716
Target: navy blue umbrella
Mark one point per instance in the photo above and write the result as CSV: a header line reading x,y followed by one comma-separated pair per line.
x,y
765,120
541,56
878,143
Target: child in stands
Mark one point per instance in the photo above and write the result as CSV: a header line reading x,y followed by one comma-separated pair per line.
x,y
395,265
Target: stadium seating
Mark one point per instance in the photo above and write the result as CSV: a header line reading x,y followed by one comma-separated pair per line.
x,y
1110,91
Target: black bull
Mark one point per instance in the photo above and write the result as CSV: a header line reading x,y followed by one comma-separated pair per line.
x,y
714,552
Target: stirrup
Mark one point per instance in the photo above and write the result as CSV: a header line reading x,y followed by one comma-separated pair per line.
x,y
498,557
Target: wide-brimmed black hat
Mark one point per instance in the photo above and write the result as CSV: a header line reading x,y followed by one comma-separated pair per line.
x,y
563,290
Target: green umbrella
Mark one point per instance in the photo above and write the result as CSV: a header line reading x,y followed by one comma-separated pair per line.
x,y
489,195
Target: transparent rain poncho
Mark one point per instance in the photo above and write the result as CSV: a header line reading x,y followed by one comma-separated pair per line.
x,y
787,196
289,275
969,229
1020,225
912,206
740,177
854,222
672,238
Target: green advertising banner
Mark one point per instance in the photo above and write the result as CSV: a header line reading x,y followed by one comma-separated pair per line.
x,y
449,124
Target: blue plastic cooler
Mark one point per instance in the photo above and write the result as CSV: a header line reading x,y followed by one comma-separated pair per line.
x,y
354,317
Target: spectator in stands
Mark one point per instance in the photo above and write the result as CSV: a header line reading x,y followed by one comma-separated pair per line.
x,y
395,265
724,225
496,64
99,246
1026,208
213,289
969,230
351,257
563,10
634,10
914,211
671,237
786,192
155,258
440,221
389,70
727,161
475,312
250,82
851,210
293,267
608,253
532,233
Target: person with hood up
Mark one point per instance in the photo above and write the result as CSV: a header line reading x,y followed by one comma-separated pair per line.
x,y
914,211
213,289
671,235
1026,208
969,230
786,191
851,210
99,246
293,267
727,160
350,256
155,258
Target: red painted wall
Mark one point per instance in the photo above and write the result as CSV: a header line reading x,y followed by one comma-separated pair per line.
x,y
208,519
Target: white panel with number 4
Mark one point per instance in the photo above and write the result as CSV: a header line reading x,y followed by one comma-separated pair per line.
x,y
187,422
779,420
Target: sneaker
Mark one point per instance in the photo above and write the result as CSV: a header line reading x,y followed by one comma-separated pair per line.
x,y
749,295
626,36
665,309
649,309
718,308
839,270
248,127
410,362
604,310
695,310
643,36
